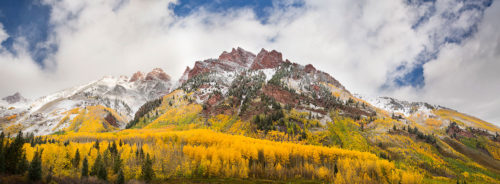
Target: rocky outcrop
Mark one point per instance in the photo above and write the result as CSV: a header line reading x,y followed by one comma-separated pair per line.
x,y
280,95
199,68
17,97
137,77
157,73
214,98
238,56
266,59
455,131
310,68
111,120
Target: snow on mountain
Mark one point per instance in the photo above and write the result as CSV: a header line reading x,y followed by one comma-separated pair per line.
x,y
122,94
13,104
396,106
231,80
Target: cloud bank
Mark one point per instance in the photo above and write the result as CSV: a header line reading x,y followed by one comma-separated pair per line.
x,y
366,45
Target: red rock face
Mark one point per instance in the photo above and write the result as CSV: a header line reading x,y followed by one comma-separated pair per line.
x,y
228,61
239,56
310,68
267,59
137,76
280,95
111,120
197,69
457,131
157,73
214,99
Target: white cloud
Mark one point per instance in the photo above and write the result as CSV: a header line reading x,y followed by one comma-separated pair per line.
x,y
467,77
359,42
3,34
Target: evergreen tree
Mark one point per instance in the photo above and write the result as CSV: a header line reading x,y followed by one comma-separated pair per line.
x,y
96,145
335,169
106,158
117,164
35,168
2,156
76,159
113,148
85,168
14,154
147,172
102,173
96,166
23,164
99,168
121,178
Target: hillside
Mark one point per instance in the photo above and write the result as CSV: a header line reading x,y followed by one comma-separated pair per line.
x,y
257,117
51,113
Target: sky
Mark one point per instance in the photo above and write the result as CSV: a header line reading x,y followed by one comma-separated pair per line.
x,y
442,52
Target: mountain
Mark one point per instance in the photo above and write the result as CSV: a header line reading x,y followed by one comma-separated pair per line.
x,y
118,97
15,98
242,96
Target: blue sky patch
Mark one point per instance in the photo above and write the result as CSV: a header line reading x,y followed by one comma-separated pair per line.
x,y
443,34
28,19
261,8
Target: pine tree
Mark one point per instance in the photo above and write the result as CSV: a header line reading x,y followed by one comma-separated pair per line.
x,y
76,159
335,169
96,145
117,164
121,178
147,172
96,166
85,168
113,148
102,173
23,164
35,168
13,155
2,156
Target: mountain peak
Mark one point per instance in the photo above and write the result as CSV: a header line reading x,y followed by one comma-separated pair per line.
x,y
266,59
16,97
310,68
137,76
239,56
157,73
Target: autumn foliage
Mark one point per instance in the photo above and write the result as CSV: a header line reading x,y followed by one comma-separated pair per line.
x,y
207,154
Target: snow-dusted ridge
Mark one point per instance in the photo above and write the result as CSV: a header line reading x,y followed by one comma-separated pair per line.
x,y
42,116
396,106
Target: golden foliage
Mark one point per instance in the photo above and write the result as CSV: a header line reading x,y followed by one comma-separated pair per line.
x,y
433,122
8,118
181,115
91,119
13,129
205,153
454,116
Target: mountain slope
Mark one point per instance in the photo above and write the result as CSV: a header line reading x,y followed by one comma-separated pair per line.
x,y
123,95
264,96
